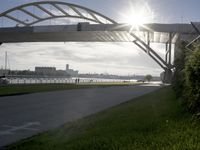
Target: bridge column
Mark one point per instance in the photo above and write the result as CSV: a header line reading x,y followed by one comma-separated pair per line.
x,y
166,64
166,76
168,54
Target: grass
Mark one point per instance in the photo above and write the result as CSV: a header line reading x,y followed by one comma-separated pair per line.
x,y
27,89
151,122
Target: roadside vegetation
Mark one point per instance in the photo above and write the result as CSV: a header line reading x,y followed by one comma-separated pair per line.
x,y
187,78
153,121
148,78
27,89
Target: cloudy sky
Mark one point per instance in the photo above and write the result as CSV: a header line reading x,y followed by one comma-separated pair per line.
x,y
113,58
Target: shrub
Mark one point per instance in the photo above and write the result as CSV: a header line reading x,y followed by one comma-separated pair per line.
x,y
192,81
148,77
179,74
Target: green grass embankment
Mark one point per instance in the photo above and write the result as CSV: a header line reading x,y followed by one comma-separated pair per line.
x,y
151,122
27,89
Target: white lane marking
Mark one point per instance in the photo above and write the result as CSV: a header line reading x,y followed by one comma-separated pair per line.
x,y
13,129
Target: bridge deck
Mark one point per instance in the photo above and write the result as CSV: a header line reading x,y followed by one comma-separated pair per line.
x,y
85,32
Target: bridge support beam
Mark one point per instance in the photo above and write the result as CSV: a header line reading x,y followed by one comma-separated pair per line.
x,y
168,55
147,49
166,64
166,76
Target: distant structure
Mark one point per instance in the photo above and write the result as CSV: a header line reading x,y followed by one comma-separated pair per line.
x,y
71,72
45,70
51,71
67,66
4,71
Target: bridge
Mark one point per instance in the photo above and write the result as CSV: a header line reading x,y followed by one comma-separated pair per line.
x,y
94,27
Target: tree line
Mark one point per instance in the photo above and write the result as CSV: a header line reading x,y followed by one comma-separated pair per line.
x,y
186,81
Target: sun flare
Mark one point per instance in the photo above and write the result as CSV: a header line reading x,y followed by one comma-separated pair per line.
x,y
136,19
138,16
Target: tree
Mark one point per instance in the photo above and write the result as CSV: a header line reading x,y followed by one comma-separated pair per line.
x,y
178,80
192,81
148,77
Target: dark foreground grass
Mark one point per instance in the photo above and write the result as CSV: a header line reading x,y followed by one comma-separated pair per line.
x,y
151,122
27,89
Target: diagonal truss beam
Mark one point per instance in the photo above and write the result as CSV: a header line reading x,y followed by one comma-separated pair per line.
x,y
45,10
95,18
147,49
77,12
142,48
60,9
29,13
194,40
16,20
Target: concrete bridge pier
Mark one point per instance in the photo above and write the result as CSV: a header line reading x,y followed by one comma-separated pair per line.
x,y
166,76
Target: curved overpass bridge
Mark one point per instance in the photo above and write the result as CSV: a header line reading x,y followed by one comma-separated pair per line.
x,y
94,27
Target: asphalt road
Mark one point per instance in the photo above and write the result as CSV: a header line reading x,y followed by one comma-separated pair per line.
x,y
26,115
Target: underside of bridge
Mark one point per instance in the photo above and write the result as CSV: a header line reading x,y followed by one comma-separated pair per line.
x,y
94,27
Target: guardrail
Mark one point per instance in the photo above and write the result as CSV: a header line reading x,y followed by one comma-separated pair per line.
x,y
61,81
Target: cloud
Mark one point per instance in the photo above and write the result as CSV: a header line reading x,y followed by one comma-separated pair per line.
x,y
115,58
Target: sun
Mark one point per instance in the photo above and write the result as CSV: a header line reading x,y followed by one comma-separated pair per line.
x,y
138,16
136,19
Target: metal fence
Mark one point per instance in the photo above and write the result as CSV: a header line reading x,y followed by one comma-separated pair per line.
x,y
60,80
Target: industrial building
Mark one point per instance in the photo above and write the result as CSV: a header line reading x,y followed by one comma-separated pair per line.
x,y
53,72
71,72
45,70
4,72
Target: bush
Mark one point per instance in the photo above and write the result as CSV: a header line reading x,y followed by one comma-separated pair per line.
x,y
186,80
148,77
192,81
179,74
178,83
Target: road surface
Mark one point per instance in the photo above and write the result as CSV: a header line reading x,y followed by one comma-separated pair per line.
x,y
26,115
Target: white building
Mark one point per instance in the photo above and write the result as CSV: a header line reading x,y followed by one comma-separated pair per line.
x,y
45,70
71,72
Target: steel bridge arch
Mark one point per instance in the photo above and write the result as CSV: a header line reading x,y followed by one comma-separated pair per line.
x,y
79,12
57,5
